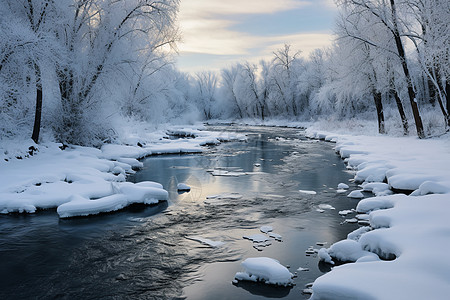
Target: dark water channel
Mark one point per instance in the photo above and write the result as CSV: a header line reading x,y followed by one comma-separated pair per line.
x,y
144,252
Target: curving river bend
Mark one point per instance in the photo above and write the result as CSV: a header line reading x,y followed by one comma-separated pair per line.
x,y
148,253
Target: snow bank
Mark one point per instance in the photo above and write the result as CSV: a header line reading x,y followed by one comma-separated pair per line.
x,y
265,269
82,181
402,254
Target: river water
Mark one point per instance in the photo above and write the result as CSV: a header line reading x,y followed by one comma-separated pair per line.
x,y
152,253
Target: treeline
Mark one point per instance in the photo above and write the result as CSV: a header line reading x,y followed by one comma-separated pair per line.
x,y
72,67
78,69
386,53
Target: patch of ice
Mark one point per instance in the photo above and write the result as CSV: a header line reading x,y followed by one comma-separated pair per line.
x,y
345,212
276,236
300,269
326,206
356,194
308,192
266,228
257,238
342,186
265,269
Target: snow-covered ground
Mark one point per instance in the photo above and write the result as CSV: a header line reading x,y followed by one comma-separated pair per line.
x,y
402,254
80,181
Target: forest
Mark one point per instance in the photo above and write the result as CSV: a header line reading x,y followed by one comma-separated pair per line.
x,y
75,71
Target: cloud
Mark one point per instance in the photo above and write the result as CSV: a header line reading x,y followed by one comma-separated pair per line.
x,y
209,27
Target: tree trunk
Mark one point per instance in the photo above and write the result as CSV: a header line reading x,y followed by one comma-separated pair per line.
x,y
447,96
380,114
402,55
401,112
38,113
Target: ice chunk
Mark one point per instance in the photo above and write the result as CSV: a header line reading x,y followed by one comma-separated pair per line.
x,y
342,186
300,269
266,228
276,236
257,238
265,269
182,187
326,206
345,212
356,194
307,192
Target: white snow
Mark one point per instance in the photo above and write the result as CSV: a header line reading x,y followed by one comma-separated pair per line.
x,y
403,253
265,269
81,181
308,192
342,186
356,194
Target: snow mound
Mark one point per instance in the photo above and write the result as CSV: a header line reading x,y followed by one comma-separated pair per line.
x,y
265,269
182,187
124,194
356,194
342,186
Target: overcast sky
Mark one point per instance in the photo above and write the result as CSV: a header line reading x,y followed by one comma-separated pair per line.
x,y
217,33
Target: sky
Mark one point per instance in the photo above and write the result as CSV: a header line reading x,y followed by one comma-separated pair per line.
x,y
218,33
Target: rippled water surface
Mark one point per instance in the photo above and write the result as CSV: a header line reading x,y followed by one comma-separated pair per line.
x,y
148,253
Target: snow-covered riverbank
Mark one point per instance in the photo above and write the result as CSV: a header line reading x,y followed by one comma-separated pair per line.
x,y
82,180
408,234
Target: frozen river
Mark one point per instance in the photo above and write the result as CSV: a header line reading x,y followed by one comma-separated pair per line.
x,y
154,253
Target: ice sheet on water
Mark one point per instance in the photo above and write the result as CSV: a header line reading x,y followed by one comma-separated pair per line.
x,y
266,270
230,196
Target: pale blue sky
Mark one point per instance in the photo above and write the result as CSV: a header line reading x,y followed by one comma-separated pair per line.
x,y
217,33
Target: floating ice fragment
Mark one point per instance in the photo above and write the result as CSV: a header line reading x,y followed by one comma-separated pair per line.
x,y
320,210
266,228
341,191
325,206
257,238
302,269
276,236
307,192
182,187
356,194
342,186
345,212
265,269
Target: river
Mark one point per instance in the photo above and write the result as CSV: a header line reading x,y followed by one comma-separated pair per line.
x,y
152,253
